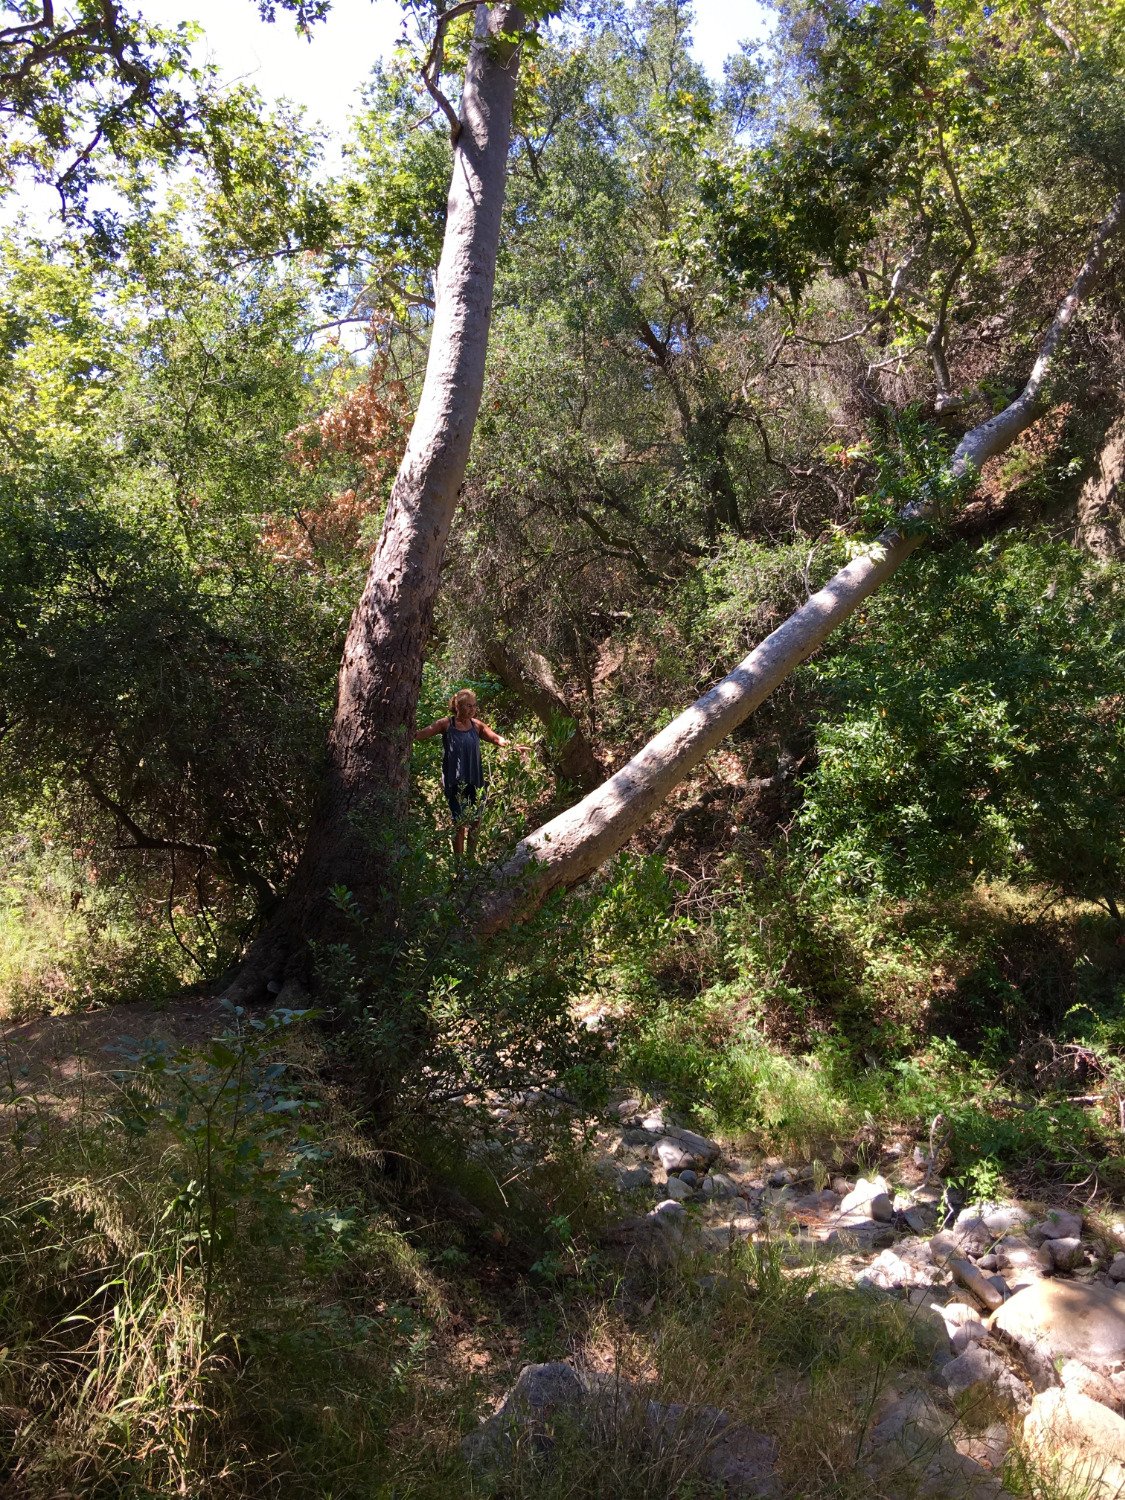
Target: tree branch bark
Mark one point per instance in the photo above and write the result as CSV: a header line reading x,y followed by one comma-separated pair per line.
x,y
530,679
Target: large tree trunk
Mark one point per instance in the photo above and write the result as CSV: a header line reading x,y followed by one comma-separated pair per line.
x,y
1101,503
530,679
569,847
350,840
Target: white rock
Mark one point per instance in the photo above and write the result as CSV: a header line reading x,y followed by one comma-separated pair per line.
x,y
1080,1440
963,1324
701,1148
863,1194
1059,1224
1057,1320
671,1155
1076,1376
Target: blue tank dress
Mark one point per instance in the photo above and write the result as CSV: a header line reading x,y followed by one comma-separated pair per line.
x,y
462,773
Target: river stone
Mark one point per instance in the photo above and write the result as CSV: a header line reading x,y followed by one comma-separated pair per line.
x,y
1079,1440
704,1151
671,1155
633,1178
991,1220
858,1234
1076,1376
863,1194
979,1370
964,1325
1059,1224
1067,1320
1063,1254
718,1185
541,1393
974,1280
912,1455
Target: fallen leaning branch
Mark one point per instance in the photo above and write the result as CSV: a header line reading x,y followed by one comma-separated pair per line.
x,y
572,845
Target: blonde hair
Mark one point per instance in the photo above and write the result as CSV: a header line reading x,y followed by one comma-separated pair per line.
x,y
467,697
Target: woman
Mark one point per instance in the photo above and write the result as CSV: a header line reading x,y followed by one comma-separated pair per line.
x,y
462,769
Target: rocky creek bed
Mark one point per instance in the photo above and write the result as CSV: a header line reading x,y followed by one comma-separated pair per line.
x,y
1020,1310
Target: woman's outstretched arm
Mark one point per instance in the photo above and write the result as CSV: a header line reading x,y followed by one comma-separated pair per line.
x,y
439,726
497,739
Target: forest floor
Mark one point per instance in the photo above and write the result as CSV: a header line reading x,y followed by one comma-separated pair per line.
x,y
690,1316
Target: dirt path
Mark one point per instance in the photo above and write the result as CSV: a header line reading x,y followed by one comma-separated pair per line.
x,y
59,1063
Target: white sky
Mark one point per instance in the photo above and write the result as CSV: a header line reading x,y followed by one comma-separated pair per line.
x,y
324,73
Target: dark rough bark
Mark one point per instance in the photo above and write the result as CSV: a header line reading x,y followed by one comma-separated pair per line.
x,y
529,677
572,845
1101,504
365,785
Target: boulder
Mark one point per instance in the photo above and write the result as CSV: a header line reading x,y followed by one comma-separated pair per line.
x,y
1078,1441
964,1325
1062,1254
981,1372
910,1453
985,1222
717,1185
869,1198
858,1234
630,1179
672,1155
703,1150
678,1190
1059,1224
1066,1320
1078,1377
1117,1267
541,1396
988,1448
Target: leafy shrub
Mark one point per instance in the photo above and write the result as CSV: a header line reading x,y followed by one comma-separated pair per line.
x,y
975,729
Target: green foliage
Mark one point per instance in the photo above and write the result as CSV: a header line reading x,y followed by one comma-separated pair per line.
x,y
973,729
73,936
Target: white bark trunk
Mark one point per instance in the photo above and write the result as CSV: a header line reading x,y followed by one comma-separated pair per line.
x,y
569,847
367,776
